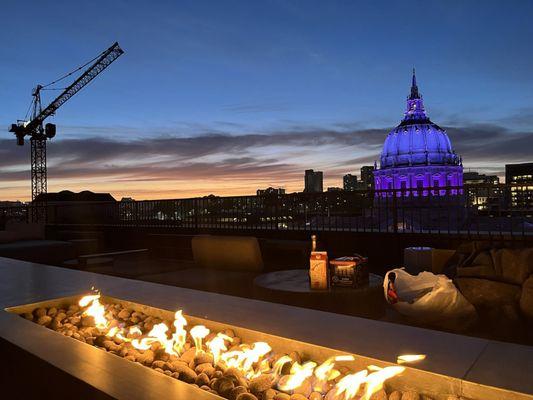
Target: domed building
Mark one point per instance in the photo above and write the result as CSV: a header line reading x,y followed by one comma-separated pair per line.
x,y
418,154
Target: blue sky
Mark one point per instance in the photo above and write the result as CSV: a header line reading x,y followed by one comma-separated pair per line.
x,y
215,77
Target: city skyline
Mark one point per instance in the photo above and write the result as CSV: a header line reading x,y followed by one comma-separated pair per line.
x,y
216,120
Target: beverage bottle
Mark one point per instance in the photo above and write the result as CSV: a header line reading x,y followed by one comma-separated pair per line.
x,y
318,267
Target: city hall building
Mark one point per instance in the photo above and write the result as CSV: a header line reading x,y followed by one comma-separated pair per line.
x,y
418,154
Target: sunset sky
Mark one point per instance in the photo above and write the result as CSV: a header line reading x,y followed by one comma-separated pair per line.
x,y
225,97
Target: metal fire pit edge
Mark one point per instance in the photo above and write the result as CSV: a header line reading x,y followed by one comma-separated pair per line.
x,y
436,385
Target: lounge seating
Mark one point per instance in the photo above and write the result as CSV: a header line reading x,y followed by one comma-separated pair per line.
x,y
224,264
24,241
498,281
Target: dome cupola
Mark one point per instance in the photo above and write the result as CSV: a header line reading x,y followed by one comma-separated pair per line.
x,y
417,140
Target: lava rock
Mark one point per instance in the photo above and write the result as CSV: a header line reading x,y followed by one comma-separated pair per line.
x,y
186,374
87,320
270,393
55,324
379,395
159,364
206,368
146,358
298,396
60,316
189,355
44,320
318,396
396,395
224,385
410,395
40,312
203,358
28,316
124,314
260,384
246,396
202,379
236,391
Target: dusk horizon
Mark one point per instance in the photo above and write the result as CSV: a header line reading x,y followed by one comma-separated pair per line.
x,y
197,107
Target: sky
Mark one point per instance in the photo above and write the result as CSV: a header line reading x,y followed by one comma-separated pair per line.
x,y
228,97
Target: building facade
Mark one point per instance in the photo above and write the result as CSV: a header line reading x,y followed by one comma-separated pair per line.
x,y
349,182
314,181
367,176
483,191
270,191
520,176
418,154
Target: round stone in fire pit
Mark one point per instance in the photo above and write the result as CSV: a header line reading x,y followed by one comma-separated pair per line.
x,y
292,287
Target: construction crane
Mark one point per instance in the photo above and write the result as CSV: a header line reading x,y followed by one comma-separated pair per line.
x,y
34,128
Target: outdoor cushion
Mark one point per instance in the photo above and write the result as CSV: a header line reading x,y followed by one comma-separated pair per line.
x,y
235,253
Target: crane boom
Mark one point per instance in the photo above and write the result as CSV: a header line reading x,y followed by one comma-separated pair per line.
x,y
99,65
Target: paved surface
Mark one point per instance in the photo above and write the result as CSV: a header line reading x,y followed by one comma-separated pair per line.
x,y
477,360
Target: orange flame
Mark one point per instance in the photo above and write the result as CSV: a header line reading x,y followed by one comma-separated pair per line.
x,y
350,384
95,310
374,381
198,333
409,358
218,345
180,334
299,373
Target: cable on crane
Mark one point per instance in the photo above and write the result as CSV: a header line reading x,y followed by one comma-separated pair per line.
x,y
72,72
28,111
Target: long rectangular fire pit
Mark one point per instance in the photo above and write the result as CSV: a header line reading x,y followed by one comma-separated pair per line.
x,y
238,363
43,363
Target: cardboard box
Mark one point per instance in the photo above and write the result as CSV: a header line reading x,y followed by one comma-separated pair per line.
x,y
318,270
349,271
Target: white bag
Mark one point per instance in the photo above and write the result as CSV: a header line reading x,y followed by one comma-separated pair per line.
x,y
430,299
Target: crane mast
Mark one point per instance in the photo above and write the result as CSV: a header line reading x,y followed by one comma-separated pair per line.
x,y
39,134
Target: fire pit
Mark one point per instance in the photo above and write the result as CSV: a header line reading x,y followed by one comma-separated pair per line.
x,y
232,362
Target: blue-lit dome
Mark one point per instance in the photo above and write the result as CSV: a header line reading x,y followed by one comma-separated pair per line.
x,y
417,140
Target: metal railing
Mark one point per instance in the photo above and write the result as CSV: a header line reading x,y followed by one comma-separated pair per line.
x,y
468,210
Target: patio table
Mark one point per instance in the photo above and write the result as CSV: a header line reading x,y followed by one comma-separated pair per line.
x,y
292,287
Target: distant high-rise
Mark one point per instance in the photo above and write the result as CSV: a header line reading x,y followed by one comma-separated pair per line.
x,y
367,176
349,182
483,191
314,181
474,178
521,175
270,191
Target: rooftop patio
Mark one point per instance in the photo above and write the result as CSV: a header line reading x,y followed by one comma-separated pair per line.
x,y
151,253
